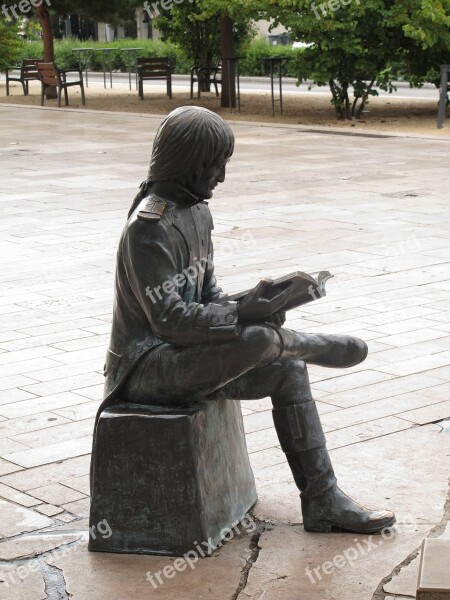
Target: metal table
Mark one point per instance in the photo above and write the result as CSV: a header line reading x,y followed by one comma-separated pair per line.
x,y
108,55
233,60
276,63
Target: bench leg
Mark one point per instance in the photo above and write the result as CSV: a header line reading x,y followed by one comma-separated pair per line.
x,y
141,89
59,95
192,87
169,87
7,86
25,88
42,94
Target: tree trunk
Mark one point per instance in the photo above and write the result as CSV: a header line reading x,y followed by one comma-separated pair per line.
x,y
47,35
227,50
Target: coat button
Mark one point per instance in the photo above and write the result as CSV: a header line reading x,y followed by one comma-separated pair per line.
x,y
200,320
230,318
215,320
131,355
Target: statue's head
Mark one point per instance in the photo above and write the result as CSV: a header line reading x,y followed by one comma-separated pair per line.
x,y
192,147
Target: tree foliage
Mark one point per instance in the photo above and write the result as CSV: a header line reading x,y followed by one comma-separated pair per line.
x,y
195,27
360,44
10,46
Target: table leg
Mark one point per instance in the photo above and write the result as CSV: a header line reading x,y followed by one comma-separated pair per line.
x,y
238,88
272,91
281,89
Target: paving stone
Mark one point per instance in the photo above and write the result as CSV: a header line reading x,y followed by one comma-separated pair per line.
x,y
49,509
404,583
37,405
80,508
92,575
14,395
27,546
48,474
44,420
66,517
348,382
80,412
12,586
80,484
59,433
52,452
428,414
369,411
17,519
8,467
9,493
56,494
7,445
418,384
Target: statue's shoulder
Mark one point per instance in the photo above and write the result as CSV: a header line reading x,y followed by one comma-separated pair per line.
x,y
152,208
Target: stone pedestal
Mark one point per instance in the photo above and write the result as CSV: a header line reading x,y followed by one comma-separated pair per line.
x,y
434,573
166,479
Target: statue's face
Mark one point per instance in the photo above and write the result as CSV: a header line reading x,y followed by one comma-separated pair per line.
x,y
211,177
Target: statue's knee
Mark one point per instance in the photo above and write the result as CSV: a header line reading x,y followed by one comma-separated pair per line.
x,y
294,366
294,386
262,340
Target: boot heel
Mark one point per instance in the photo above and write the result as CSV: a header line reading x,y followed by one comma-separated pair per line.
x,y
317,526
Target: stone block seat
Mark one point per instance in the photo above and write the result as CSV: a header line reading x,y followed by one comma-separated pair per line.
x,y
166,479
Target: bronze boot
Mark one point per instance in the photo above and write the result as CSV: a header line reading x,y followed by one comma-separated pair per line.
x,y
337,351
324,505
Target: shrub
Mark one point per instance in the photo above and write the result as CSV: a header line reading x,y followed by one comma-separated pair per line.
x,y
258,49
9,46
65,58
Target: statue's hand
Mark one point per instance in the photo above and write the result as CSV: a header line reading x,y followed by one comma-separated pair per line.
x,y
260,302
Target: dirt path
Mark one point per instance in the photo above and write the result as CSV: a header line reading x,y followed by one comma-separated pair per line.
x,y
384,114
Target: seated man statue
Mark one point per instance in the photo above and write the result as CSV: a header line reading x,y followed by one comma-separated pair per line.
x,y
177,338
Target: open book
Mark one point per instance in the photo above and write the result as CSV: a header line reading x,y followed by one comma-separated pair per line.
x,y
306,288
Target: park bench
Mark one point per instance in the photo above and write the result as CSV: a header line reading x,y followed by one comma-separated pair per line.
x,y
154,68
50,77
28,72
205,76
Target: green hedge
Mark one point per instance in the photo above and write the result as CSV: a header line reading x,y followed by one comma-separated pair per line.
x,y
252,65
258,49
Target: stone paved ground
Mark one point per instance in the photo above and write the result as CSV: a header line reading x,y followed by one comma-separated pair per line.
x,y
373,210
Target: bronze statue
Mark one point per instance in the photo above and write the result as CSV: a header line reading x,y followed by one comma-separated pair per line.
x,y
177,336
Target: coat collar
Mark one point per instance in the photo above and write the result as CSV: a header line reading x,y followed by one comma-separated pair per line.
x,y
174,192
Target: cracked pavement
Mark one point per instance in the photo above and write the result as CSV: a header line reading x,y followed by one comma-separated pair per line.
x,y
372,210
